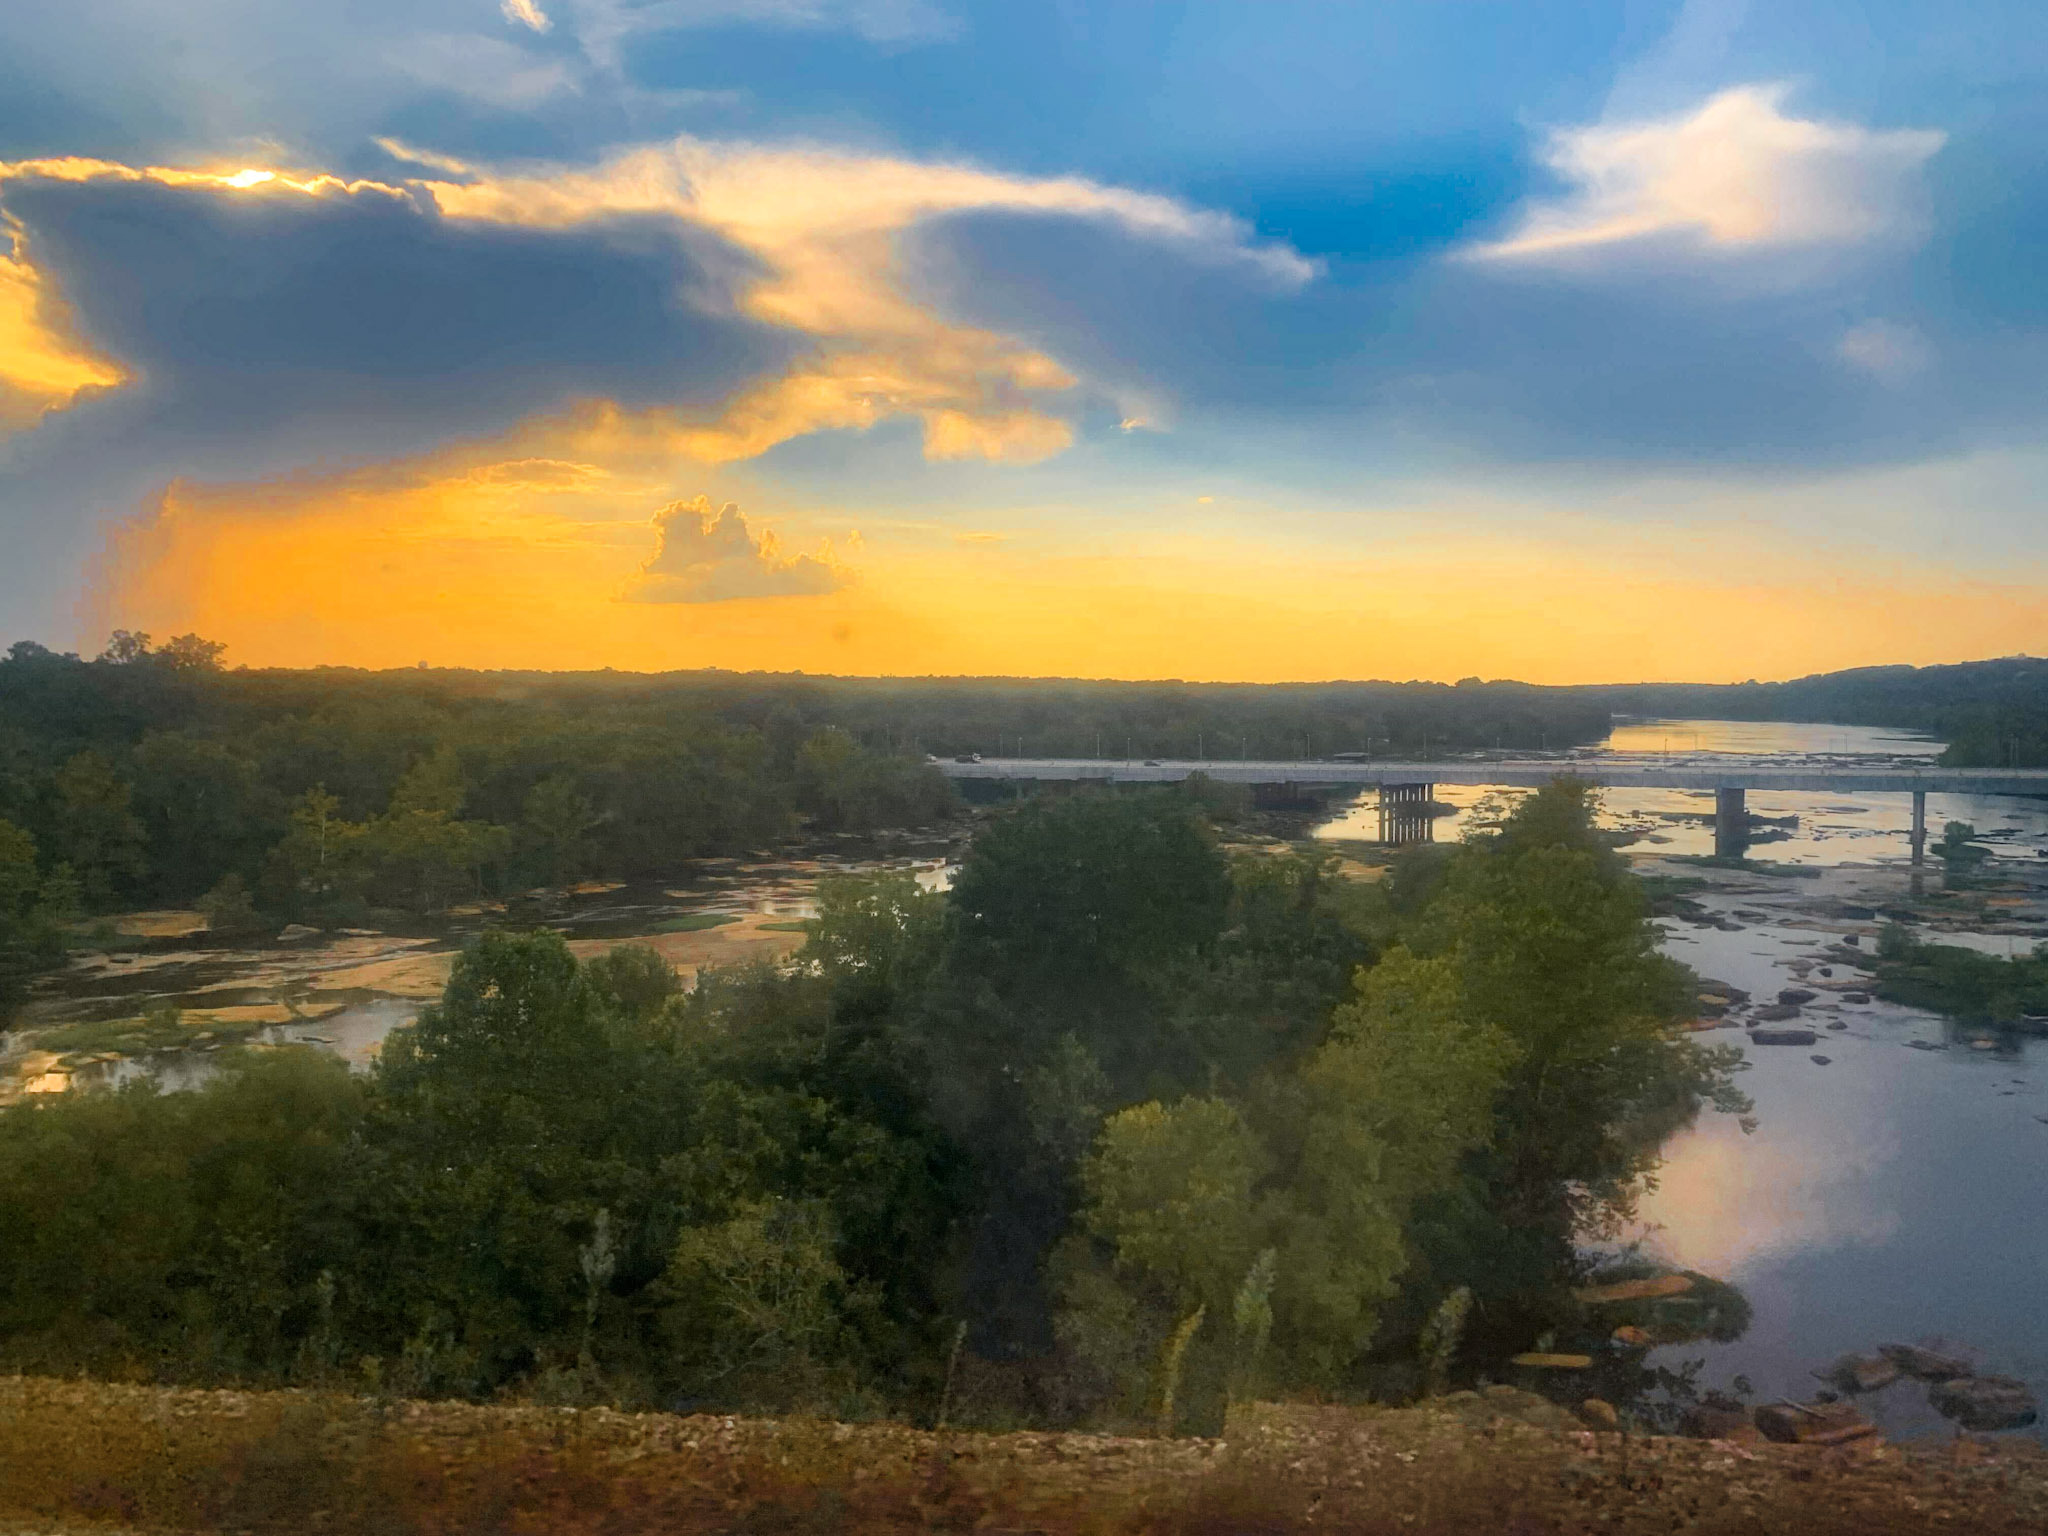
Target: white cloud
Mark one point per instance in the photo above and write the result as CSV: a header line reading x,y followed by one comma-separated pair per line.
x,y
526,14
706,556
1735,174
1885,349
487,69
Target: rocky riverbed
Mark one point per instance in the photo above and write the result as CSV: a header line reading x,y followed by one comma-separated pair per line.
x,y
155,992
1887,1186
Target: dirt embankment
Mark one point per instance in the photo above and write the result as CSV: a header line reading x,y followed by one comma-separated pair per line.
x,y
82,1456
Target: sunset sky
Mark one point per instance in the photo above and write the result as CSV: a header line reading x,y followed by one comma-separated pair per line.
x,y
1575,341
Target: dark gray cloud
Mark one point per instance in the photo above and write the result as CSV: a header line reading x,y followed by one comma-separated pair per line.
x,y
369,324
268,334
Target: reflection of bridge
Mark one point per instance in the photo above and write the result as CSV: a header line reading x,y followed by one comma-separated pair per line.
x,y
1405,788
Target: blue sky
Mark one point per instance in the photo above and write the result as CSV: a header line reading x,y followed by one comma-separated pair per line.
x,y
1258,339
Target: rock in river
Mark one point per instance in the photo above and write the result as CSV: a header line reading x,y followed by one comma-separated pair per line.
x,y
1927,1364
1794,996
1782,1037
1855,997
1810,1424
1597,1413
1861,1373
1984,1402
1776,1013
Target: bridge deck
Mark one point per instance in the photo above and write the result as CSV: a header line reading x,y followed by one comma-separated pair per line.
x,y
1691,773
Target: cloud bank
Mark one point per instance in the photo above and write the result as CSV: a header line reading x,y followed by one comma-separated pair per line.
x,y
717,251
706,556
1735,174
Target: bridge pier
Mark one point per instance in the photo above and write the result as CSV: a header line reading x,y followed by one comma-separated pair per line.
x,y
1919,826
1404,814
1731,823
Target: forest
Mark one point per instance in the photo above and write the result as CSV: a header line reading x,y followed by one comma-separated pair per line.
x,y
1121,1128
153,775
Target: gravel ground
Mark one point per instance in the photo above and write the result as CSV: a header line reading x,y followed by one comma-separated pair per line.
x,y
80,1456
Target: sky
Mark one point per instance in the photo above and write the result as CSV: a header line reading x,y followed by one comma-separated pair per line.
x,y
1271,339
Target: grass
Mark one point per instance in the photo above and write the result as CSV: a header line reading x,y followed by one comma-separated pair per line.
x,y
789,927
695,922
87,1454
1965,984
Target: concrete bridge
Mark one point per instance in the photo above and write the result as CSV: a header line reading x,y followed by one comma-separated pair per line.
x,y
1406,787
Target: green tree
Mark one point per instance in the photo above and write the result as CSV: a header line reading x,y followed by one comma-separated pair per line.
x,y
1296,1207
1550,940
424,855
759,1310
878,934
126,647
320,869
1379,1117
33,911
1070,897
204,810
555,823
189,653
1171,1191
229,910
177,1235
96,831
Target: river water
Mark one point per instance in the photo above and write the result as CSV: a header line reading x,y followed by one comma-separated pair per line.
x,y
1805,829
1894,1193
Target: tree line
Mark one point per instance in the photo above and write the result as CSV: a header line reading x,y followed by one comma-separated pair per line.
x,y
1991,714
1117,1129
152,776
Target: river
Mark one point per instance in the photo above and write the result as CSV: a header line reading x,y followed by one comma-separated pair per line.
x,y
1892,1194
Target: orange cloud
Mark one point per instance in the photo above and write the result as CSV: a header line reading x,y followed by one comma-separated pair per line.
x,y
43,365
706,556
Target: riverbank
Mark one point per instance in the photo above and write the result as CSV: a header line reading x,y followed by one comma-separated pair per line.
x,y
81,1455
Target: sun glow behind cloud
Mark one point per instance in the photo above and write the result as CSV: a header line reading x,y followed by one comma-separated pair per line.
x,y
464,559
825,228
43,367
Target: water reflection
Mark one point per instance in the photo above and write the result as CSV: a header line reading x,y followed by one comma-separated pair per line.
x,y
1881,1193
1787,828
1888,1195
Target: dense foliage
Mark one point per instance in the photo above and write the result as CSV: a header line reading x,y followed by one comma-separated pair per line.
x,y
153,776
1118,1128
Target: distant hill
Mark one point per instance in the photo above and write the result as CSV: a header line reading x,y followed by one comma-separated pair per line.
x,y
1990,712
